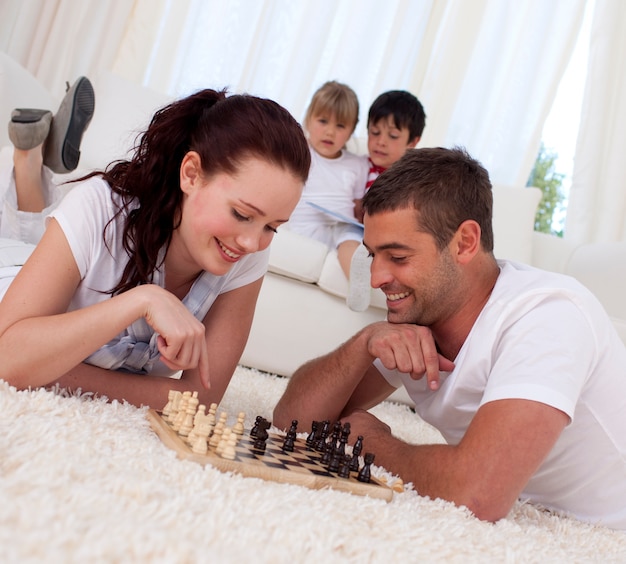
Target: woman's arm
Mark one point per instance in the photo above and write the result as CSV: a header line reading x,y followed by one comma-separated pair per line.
x,y
39,341
227,327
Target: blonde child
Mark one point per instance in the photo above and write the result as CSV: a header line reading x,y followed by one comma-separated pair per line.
x,y
337,176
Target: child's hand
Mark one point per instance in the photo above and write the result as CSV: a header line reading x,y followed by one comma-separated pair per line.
x,y
358,210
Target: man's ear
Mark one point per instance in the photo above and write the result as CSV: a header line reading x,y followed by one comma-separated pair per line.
x,y
467,241
190,171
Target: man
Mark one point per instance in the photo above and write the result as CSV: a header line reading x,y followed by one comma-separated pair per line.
x,y
521,370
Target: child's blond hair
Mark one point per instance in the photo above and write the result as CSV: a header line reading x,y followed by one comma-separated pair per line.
x,y
335,99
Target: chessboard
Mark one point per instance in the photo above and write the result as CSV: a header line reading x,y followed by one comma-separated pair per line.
x,y
301,466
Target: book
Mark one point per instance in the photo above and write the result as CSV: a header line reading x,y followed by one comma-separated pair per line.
x,y
336,215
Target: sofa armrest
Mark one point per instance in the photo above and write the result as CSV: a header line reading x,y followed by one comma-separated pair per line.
x,y
602,268
514,209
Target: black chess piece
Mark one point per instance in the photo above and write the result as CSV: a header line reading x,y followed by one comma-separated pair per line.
x,y
320,445
290,439
262,434
356,451
365,473
334,438
343,439
344,467
255,427
327,454
335,461
310,440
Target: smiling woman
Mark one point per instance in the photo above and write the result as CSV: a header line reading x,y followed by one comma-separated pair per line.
x,y
153,266
235,214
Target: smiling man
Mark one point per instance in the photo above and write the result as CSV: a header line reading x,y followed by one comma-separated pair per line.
x,y
520,369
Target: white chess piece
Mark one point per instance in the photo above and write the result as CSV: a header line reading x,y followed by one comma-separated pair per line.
x,y
228,451
218,430
187,424
178,396
168,406
200,414
238,427
182,411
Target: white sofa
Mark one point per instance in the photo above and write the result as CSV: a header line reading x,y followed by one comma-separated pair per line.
x,y
301,312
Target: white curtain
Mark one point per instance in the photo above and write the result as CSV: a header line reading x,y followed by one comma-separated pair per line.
x,y
597,203
59,40
486,70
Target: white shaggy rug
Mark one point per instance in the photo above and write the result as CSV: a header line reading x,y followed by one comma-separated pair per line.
x,y
85,480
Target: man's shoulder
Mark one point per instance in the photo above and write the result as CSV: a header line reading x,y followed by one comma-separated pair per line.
x,y
517,277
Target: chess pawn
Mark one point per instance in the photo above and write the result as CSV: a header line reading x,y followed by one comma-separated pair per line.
x,y
200,432
356,451
217,431
168,406
365,472
187,424
200,414
212,412
182,411
290,438
238,427
226,433
312,438
199,445
178,396
229,451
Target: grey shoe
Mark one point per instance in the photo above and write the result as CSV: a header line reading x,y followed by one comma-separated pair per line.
x,y
62,149
29,127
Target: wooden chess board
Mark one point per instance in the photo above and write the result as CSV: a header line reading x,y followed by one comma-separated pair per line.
x,y
302,466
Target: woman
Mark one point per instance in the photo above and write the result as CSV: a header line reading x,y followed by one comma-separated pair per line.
x,y
154,265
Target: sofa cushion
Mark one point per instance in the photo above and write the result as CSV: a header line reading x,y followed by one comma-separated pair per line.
x,y
514,210
296,256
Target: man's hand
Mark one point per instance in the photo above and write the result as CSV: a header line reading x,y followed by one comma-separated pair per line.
x,y
411,349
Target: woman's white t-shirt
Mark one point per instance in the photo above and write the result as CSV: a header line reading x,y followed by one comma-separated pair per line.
x,y
83,215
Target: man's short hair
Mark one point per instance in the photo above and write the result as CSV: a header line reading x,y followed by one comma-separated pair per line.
x,y
445,186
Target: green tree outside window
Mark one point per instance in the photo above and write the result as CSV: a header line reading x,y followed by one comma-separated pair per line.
x,y
545,177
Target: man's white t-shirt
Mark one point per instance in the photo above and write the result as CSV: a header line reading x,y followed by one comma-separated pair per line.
x,y
83,215
544,337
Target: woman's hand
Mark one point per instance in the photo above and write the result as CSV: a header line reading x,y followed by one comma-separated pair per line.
x,y
181,340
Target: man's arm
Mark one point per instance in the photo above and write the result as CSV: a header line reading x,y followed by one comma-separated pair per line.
x,y
326,387
321,388
486,472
